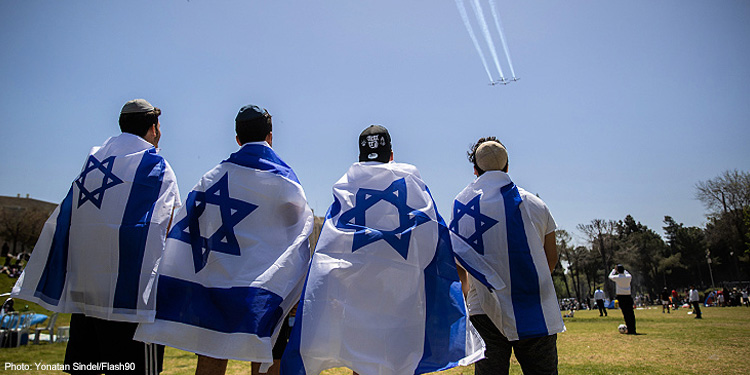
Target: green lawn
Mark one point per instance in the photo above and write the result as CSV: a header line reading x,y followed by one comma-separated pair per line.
x,y
669,344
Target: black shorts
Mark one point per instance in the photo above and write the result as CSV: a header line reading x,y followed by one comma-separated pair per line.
x,y
99,346
284,333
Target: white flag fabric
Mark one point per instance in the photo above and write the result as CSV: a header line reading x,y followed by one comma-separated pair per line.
x,y
383,294
235,260
496,219
97,252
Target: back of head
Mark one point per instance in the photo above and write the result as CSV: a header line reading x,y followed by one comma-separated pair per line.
x,y
252,124
620,268
138,116
375,144
489,154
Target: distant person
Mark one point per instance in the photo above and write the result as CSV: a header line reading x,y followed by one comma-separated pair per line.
x,y
512,234
7,307
694,300
97,252
621,277
236,258
745,300
665,300
599,298
675,300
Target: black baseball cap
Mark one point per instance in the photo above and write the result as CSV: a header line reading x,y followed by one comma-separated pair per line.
x,y
250,112
375,144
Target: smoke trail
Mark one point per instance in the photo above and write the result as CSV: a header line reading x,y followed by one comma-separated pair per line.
x,y
490,43
462,10
498,25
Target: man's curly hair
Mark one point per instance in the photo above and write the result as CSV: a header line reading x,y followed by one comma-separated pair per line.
x,y
472,153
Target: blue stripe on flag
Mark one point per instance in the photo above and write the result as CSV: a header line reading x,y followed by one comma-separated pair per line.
x,y
291,360
228,310
445,324
525,292
264,158
135,225
51,284
292,363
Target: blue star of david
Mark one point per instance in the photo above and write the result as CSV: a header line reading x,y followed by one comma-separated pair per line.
x,y
482,223
398,238
223,240
109,180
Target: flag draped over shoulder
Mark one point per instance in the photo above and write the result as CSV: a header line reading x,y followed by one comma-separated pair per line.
x,y
97,252
495,218
382,295
235,260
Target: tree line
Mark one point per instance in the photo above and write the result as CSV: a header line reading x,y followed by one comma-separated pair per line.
x,y
704,257
21,222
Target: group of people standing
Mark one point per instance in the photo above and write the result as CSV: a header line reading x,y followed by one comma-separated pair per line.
x,y
383,292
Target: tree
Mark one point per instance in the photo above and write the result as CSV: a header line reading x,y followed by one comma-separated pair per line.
x,y
563,249
600,234
690,244
21,226
727,197
645,252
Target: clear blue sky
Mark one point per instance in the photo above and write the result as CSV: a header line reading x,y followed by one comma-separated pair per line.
x,y
621,108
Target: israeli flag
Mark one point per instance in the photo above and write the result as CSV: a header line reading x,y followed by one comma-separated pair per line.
x,y
496,219
235,260
98,251
383,294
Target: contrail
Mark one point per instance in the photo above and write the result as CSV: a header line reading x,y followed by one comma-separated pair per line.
x,y
498,25
488,36
462,10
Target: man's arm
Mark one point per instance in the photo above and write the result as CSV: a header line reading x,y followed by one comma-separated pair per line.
x,y
613,275
550,248
464,277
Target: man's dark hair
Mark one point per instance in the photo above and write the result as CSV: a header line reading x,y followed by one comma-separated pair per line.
x,y
254,130
139,123
472,153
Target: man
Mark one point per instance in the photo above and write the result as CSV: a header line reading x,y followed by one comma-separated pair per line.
x,y
599,297
665,300
235,261
622,278
512,237
97,252
382,295
694,299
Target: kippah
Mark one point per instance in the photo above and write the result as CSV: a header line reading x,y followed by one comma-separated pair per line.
x,y
491,156
137,106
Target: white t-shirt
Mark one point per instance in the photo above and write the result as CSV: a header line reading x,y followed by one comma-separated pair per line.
x,y
599,294
622,281
543,221
694,295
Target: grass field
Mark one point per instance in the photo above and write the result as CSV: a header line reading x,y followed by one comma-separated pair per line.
x,y
673,343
